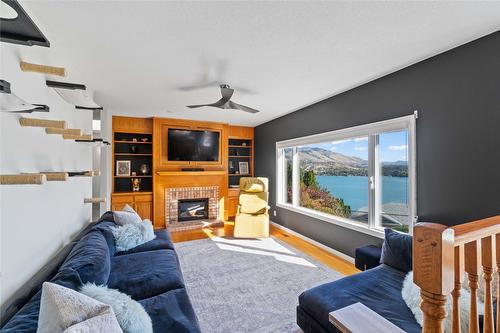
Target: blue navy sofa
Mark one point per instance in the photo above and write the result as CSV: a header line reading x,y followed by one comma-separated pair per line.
x,y
378,288
149,273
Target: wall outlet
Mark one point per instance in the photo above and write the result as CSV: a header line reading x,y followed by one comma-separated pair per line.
x,y
274,212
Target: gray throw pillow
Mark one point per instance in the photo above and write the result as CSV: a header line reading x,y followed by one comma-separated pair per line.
x,y
130,314
126,216
131,235
68,311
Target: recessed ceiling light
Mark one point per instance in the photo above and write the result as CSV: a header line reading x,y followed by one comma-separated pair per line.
x,y
7,12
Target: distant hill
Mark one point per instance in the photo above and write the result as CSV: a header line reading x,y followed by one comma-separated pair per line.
x,y
327,162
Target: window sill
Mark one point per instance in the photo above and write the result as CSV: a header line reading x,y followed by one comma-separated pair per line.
x,y
379,233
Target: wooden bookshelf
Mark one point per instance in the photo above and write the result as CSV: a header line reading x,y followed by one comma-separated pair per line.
x,y
128,145
239,149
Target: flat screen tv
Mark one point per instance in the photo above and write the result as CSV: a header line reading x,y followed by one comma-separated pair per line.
x,y
193,145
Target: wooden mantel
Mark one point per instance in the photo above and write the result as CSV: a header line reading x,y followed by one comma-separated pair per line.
x,y
191,173
169,174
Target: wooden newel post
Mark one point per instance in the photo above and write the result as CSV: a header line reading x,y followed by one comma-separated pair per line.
x,y
433,265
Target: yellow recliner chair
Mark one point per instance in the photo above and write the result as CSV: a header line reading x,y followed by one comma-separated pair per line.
x,y
252,216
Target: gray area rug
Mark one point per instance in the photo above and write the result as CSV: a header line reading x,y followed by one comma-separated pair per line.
x,y
249,285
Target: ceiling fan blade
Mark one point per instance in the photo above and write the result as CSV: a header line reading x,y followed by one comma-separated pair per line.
x,y
201,85
197,106
219,104
233,105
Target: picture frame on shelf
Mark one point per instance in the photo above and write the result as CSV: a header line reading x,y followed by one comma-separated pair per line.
x,y
243,166
123,168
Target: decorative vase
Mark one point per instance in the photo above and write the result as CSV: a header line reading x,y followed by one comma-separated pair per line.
x,y
144,169
133,149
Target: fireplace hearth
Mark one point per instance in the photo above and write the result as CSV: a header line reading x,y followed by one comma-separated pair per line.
x,y
192,209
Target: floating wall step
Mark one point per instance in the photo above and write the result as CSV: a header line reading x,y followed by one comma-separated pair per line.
x,y
34,122
52,176
94,200
56,176
31,178
68,131
86,137
29,67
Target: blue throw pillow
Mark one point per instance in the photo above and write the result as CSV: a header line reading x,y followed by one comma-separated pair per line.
x,y
397,250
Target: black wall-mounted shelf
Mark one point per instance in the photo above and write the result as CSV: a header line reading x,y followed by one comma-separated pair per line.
x,y
21,30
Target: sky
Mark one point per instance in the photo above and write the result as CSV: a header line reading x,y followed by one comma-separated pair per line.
x,y
393,146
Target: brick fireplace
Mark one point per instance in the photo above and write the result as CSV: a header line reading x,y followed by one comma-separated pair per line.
x,y
174,195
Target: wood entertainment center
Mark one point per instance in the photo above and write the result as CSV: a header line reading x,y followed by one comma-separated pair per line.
x,y
145,141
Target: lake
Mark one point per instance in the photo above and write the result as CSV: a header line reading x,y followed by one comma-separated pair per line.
x,y
354,189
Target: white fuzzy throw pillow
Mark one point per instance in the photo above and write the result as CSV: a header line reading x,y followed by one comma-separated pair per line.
x,y
130,314
411,295
131,235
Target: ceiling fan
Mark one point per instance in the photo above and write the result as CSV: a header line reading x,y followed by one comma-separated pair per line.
x,y
225,102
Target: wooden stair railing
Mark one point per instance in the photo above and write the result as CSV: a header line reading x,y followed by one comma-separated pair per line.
x,y
441,256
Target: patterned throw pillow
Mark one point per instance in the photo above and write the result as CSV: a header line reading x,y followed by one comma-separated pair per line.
x,y
126,216
68,311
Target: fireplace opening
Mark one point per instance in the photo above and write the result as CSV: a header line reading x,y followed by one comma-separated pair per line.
x,y
192,209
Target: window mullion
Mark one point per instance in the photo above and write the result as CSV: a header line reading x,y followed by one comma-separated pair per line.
x,y
281,174
295,178
371,181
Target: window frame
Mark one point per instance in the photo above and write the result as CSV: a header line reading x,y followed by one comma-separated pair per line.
x,y
371,130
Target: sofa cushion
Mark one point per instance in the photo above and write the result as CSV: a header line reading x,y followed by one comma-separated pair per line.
x,y
161,242
26,319
397,250
145,274
378,288
90,258
171,312
105,229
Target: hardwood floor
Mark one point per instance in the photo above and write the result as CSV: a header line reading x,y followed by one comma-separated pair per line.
x,y
327,258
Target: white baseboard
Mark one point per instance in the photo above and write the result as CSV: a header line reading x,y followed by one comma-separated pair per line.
x,y
312,241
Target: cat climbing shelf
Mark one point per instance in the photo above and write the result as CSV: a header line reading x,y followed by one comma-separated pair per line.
x,y
61,131
94,200
84,173
75,94
34,122
43,177
42,69
23,179
10,102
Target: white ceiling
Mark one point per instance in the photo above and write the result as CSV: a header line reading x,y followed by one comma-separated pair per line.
x,y
291,54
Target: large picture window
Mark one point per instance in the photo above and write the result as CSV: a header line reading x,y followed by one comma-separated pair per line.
x,y
361,177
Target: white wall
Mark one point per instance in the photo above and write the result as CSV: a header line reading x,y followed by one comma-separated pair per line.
x,y
37,220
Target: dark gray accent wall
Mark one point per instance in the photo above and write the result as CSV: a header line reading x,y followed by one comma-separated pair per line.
x,y
457,95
